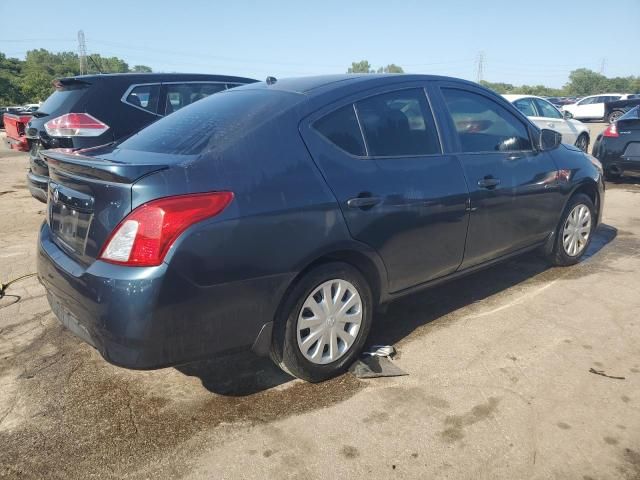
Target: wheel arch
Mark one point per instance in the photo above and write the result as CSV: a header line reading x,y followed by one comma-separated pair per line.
x,y
589,188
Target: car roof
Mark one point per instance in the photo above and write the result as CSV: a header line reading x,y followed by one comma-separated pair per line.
x,y
313,85
158,77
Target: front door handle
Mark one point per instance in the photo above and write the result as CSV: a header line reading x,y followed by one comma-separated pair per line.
x,y
551,124
488,182
363,202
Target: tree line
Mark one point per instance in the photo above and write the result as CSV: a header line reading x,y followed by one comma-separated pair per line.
x,y
30,80
582,81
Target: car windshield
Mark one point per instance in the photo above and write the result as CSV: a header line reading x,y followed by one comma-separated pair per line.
x,y
212,122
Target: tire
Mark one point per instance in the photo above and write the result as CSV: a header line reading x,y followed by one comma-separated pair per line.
x,y
614,116
288,340
612,175
583,142
563,255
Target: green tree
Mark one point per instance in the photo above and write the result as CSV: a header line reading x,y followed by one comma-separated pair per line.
x,y
363,66
391,68
141,69
585,82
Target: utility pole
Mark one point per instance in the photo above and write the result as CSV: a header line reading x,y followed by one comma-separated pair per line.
x,y
603,63
480,67
82,53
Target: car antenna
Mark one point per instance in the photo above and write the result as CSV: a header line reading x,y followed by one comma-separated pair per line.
x,y
271,80
95,64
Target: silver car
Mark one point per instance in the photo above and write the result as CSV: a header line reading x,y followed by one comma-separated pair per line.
x,y
545,115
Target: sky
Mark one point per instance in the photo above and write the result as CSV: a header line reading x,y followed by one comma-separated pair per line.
x,y
521,42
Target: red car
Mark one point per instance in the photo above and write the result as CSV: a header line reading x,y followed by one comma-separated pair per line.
x,y
15,125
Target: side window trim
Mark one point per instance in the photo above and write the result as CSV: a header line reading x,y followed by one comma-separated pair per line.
x,y
124,97
464,88
364,137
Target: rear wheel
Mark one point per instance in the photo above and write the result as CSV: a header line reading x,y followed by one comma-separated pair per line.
x,y
323,322
574,231
612,174
614,116
583,142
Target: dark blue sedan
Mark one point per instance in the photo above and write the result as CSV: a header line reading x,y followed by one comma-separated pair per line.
x,y
277,216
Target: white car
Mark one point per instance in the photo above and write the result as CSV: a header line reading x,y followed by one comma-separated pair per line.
x,y
545,115
592,107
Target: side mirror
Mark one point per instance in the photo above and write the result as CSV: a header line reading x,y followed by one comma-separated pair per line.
x,y
567,114
549,139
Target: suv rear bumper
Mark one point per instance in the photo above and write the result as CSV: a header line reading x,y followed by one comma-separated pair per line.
x,y
38,186
150,317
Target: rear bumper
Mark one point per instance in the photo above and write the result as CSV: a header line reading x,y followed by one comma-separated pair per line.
x,y
149,317
21,144
38,186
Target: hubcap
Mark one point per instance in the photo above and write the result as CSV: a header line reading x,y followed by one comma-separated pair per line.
x,y
582,143
576,231
329,321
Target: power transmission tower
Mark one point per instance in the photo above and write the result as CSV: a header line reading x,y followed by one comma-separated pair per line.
x,y
82,52
480,67
603,63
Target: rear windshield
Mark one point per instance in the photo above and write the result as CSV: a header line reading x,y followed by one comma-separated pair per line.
x,y
211,123
63,98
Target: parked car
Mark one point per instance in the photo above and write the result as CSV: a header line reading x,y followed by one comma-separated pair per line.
x,y
592,107
618,147
15,129
545,115
4,110
92,110
614,110
277,216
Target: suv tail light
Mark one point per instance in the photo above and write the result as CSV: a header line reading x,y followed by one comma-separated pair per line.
x,y
611,131
144,237
75,125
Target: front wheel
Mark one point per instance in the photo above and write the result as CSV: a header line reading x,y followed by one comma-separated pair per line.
x,y
323,322
574,232
583,142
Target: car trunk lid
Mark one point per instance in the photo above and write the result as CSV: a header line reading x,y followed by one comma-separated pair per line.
x,y
87,198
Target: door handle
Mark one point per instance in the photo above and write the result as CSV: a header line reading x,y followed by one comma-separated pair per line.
x,y
551,124
363,202
488,182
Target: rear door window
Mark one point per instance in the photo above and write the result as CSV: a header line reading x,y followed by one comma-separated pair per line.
x,y
398,123
145,97
180,95
341,128
546,109
483,125
525,105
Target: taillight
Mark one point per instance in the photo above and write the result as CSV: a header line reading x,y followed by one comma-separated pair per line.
x,y
611,131
75,125
144,237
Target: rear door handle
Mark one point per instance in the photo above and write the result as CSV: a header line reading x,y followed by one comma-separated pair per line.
x,y
363,202
488,182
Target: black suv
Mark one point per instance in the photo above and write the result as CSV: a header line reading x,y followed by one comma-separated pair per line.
x,y
93,110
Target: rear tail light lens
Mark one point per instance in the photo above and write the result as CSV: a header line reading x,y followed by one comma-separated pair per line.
x,y
144,237
75,125
611,131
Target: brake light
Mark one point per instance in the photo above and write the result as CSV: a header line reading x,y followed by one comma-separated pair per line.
x,y
75,125
611,131
144,237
